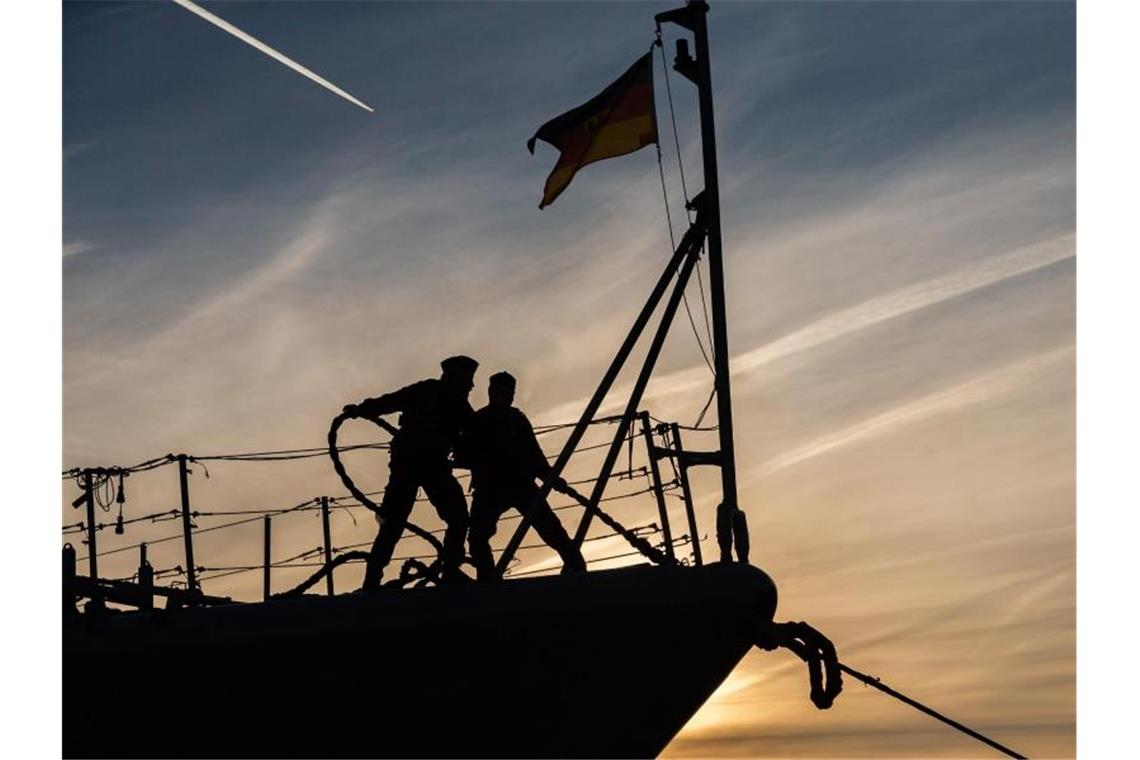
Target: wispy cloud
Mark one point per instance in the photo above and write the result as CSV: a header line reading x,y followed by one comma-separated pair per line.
x,y
971,392
76,247
71,150
907,300
845,322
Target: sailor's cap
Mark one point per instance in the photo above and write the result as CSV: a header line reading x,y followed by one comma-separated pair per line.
x,y
503,378
463,365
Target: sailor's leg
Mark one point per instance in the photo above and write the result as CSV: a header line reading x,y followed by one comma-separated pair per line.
x,y
399,496
550,530
446,495
484,518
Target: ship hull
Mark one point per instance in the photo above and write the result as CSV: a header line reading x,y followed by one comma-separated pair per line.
x,y
602,664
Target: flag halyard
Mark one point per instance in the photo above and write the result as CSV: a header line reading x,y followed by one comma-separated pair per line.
x,y
617,121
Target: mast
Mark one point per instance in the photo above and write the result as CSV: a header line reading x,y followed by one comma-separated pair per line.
x,y
730,520
732,529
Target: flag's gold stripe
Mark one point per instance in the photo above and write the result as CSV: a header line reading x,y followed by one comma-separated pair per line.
x,y
615,139
620,137
557,182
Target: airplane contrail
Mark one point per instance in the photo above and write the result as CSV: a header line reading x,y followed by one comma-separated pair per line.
x,y
222,24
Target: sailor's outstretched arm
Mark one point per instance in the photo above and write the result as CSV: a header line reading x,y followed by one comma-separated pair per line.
x,y
388,403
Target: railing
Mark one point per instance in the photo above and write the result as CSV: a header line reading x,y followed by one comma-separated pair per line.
x,y
105,486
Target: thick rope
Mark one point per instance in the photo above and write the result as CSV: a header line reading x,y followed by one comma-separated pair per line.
x,y
338,465
812,647
655,555
313,579
824,673
876,683
412,571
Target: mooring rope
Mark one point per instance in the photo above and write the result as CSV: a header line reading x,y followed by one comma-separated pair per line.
x,y
878,684
824,673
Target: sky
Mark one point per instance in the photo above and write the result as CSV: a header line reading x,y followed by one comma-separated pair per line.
x,y
244,252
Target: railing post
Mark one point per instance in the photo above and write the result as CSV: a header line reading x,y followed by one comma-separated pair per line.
x,y
146,580
686,492
268,559
328,542
68,581
187,528
92,551
658,489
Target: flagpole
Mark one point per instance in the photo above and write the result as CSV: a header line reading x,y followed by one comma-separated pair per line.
x,y
729,519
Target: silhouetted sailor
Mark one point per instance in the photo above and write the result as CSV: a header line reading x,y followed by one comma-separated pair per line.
x,y
432,413
499,446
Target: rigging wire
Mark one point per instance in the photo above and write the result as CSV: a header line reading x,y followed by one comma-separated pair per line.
x,y
76,473
336,502
307,505
515,515
195,532
669,215
285,455
281,455
694,428
314,504
673,245
673,118
640,530
628,475
685,191
224,572
684,187
704,301
168,514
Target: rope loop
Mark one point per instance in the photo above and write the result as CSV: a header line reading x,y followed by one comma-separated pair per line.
x,y
813,648
338,465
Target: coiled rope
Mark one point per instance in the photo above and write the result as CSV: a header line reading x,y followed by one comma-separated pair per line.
x,y
812,647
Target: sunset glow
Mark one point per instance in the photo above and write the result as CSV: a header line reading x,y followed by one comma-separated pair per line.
x,y
243,255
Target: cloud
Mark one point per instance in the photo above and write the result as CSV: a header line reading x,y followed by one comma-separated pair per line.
x,y
909,299
76,247
591,550
974,391
71,150
845,322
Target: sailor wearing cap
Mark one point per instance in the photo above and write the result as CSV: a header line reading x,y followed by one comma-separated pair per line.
x,y
499,446
432,413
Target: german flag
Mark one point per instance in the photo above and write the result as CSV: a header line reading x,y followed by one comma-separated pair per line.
x,y
617,121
